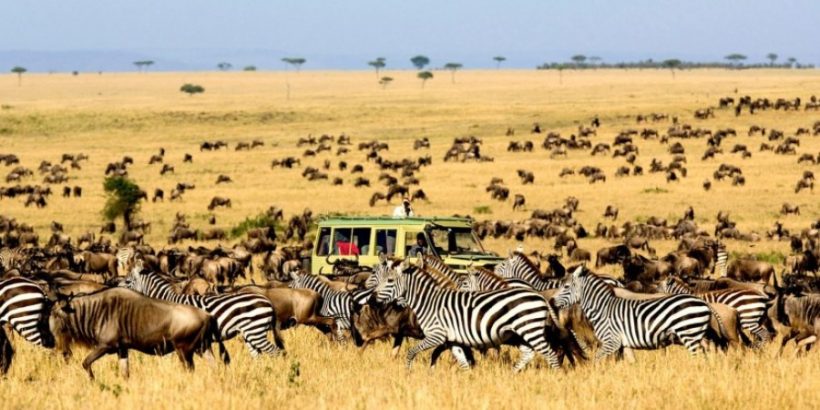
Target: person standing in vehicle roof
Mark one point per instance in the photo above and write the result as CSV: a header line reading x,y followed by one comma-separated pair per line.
x,y
404,210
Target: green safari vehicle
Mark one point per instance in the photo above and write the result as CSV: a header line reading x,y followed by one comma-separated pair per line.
x,y
363,238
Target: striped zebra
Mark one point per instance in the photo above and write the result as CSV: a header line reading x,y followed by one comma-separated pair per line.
x,y
10,258
751,306
336,304
434,263
124,257
721,260
480,279
248,314
23,306
515,316
519,271
626,324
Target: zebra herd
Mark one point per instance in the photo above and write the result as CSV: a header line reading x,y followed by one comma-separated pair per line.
x,y
514,305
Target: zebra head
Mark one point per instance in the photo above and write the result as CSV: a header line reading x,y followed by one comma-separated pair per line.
x,y
137,279
380,272
503,268
570,293
468,282
393,286
298,280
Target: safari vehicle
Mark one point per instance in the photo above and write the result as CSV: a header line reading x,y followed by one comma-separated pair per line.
x,y
364,238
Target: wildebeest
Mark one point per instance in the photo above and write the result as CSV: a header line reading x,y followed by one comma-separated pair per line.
x,y
118,320
750,270
219,201
612,255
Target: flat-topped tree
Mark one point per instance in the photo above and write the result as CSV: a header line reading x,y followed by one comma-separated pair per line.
x,y
378,64
295,62
579,59
192,89
453,67
249,68
420,61
385,81
19,71
772,57
224,66
143,65
672,64
424,76
736,59
498,60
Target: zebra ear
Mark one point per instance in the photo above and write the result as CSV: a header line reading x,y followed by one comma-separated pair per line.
x,y
293,275
579,272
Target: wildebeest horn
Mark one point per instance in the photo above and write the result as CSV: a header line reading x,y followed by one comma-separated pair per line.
x,y
293,275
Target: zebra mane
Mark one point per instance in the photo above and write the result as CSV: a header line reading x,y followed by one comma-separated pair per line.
x,y
676,281
490,275
439,278
530,264
433,263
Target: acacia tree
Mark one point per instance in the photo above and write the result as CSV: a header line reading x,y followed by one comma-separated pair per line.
x,y
143,65
192,89
672,64
420,61
296,62
453,67
594,60
224,66
791,61
385,81
579,59
378,64
249,68
498,61
19,71
424,76
736,59
123,199
772,58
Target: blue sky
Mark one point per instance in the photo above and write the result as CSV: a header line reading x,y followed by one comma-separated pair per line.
x,y
342,34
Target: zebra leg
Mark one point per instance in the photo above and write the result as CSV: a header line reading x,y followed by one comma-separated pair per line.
x,y
762,335
258,343
461,357
431,340
6,353
609,346
629,355
527,353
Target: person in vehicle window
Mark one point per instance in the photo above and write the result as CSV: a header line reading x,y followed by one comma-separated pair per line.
x,y
420,247
346,247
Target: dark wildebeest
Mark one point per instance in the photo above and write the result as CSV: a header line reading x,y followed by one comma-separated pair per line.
x,y
519,202
612,255
296,306
118,320
750,270
219,201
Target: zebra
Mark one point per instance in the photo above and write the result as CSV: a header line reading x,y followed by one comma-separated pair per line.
x,y
721,260
10,258
516,316
482,279
625,324
23,305
248,314
124,256
752,306
519,271
431,262
336,304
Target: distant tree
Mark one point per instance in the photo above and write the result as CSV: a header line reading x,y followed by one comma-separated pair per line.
x,y
498,61
143,65
224,66
192,89
249,68
561,67
378,64
453,67
424,76
772,58
296,62
736,58
579,59
420,61
791,61
594,60
19,71
672,64
385,81
123,199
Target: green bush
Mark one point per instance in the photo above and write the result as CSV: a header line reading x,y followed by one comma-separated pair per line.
x,y
259,221
123,198
483,209
655,190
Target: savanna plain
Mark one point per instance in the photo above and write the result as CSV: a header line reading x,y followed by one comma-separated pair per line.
x,y
110,115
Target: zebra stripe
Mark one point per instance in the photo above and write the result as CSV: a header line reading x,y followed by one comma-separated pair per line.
x,y
751,306
124,256
335,304
248,314
23,306
434,263
642,324
480,279
722,260
521,268
472,319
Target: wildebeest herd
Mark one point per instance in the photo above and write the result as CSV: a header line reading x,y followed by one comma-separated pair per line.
x,y
116,293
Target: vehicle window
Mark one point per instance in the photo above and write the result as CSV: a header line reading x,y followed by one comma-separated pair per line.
x,y
341,241
385,241
361,241
324,242
447,241
416,243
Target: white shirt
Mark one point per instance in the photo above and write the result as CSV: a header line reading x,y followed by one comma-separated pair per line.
x,y
399,212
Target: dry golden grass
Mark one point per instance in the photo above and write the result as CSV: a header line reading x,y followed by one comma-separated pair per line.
x,y
111,115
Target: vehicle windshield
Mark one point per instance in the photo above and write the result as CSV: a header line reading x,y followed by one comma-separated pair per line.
x,y
454,241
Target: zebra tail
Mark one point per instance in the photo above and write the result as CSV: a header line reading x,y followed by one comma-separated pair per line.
x,y
215,334
277,336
